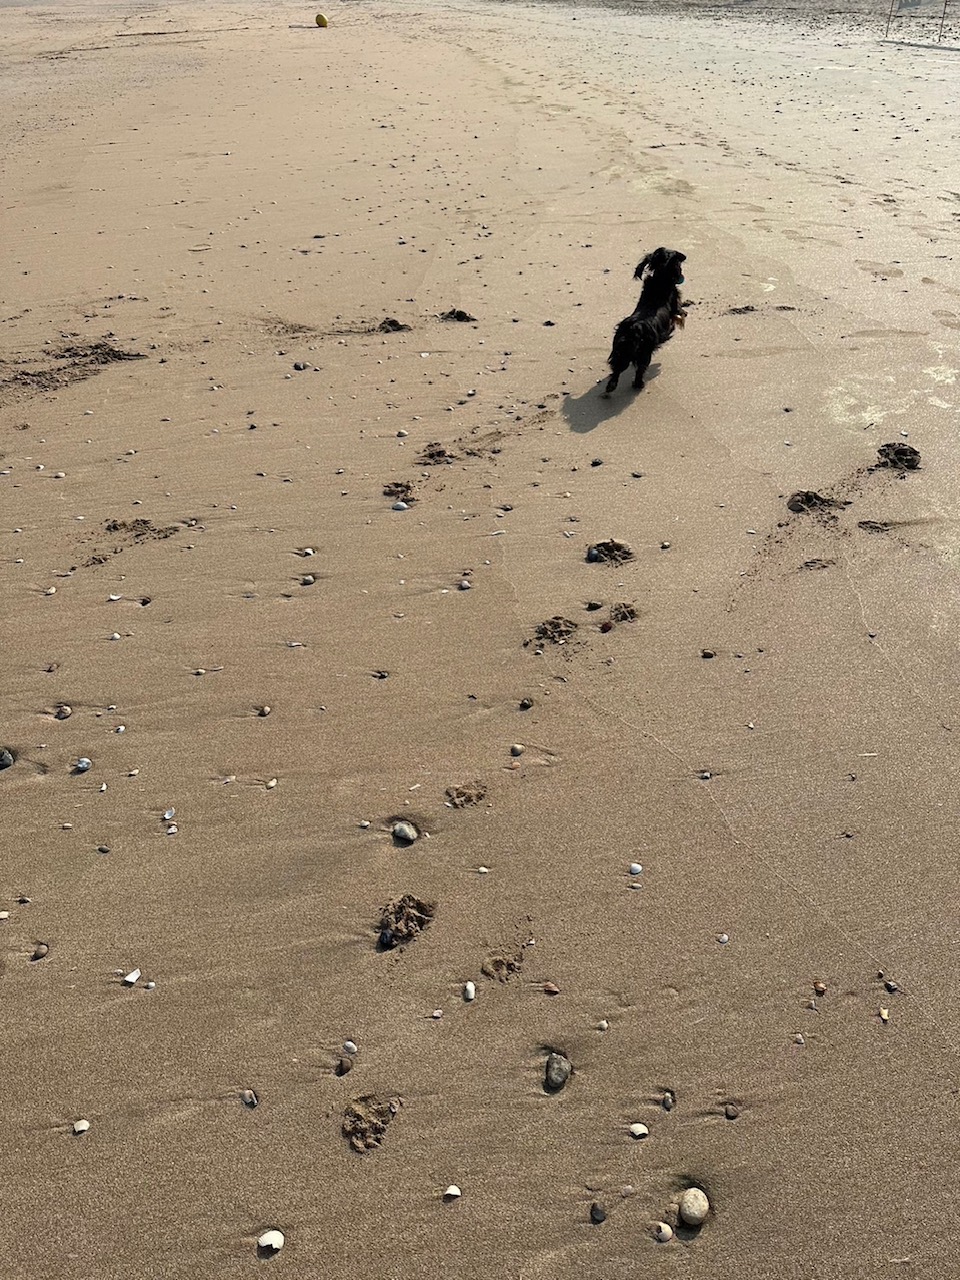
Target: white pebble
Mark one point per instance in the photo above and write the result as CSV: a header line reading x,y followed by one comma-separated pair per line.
x,y
150,986
271,784
80,1126
83,764
452,1192
694,1206
400,506
115,636
603,1025
723,938
639,1130
483,871
113,597
270,1242
169,814
350,1048
364,824
636,868
132,978
663,1232
469,991
50,591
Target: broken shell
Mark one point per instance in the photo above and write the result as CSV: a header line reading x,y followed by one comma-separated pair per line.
x,y
132,978
694,1206
50,591
884,1015
469,991
263,711
639,1130
249,1099
551,989
452,1192
270,1242
80,1126
663,1232
169,814
820,988
63,712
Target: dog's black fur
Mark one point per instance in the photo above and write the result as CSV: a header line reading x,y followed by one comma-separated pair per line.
x,y
654,319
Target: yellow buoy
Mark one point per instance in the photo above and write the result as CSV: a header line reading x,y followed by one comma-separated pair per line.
x,y
321,20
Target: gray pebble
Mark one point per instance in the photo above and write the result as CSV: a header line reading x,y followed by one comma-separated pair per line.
x,y
405,832
694,1206
7,758
557,1072
598,1213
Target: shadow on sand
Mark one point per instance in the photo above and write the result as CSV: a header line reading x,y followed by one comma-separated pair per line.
x,y
588,411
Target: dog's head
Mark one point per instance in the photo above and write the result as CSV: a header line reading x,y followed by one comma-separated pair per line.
x,y
665,262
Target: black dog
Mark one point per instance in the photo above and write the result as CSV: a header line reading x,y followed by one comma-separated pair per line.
x,y
654,319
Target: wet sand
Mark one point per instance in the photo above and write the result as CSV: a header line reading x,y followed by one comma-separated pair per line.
x,y
242,194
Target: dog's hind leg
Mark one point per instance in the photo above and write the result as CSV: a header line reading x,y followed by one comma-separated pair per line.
x,y
612,382
642,364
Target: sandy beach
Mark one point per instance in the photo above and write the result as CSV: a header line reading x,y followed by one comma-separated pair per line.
x,y
301,455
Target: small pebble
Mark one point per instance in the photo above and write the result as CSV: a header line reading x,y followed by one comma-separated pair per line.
x,y
263,711
405,832
798,1039
63,712
80,1126
437,1015
669,1100
517,749
469,991
483,871
820,988
169,814
400,506
363,824
132,978
402,435
639,1130
694,1206
40,950
603,1025
707,653
50,591
465,584
557,1072
663,1232
272,783
115,636
526,704
636,868
723,938
7,758
598,1213
83,764
270,1243
551,989
452,1193
150,986
731,1111
350,1048
249,1098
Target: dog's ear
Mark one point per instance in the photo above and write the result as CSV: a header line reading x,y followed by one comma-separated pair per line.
x,y
642,266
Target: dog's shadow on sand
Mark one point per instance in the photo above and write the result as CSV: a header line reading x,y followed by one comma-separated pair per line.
x,y
586,412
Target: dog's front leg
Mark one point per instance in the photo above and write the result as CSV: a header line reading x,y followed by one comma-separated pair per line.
x,y
611,384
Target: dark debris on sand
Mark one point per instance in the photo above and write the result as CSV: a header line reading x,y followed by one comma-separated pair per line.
x,y
404,920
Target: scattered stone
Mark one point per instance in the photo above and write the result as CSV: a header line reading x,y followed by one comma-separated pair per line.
x,y
469,793
517,749
300,366
390,325
40,951
8,758
890,985
596,462
350,1048
669,1100
557,1072
81,1127
249,1099
708,653
820,988
405,832
873,526
63,712
636,868
694,1206
263,711
526,704
731,1111
609,552
366,1119
269,1243
639,1130
452,1193
551,989
402,489
603,1025
404,920
344,1065
83,764
457,316
400,506
903,457
464,584
663,1232
598,1213
469,992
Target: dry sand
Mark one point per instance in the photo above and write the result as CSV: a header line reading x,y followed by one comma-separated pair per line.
x,y
244,192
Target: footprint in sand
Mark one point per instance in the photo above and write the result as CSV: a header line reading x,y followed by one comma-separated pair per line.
x,y
880,270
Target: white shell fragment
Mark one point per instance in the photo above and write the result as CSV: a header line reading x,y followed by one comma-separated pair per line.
x,y
270,1242
469,991
80,1126
639,1130
694,1206
169,814
663,1232
350,1047
132,978
83,764
452,1192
